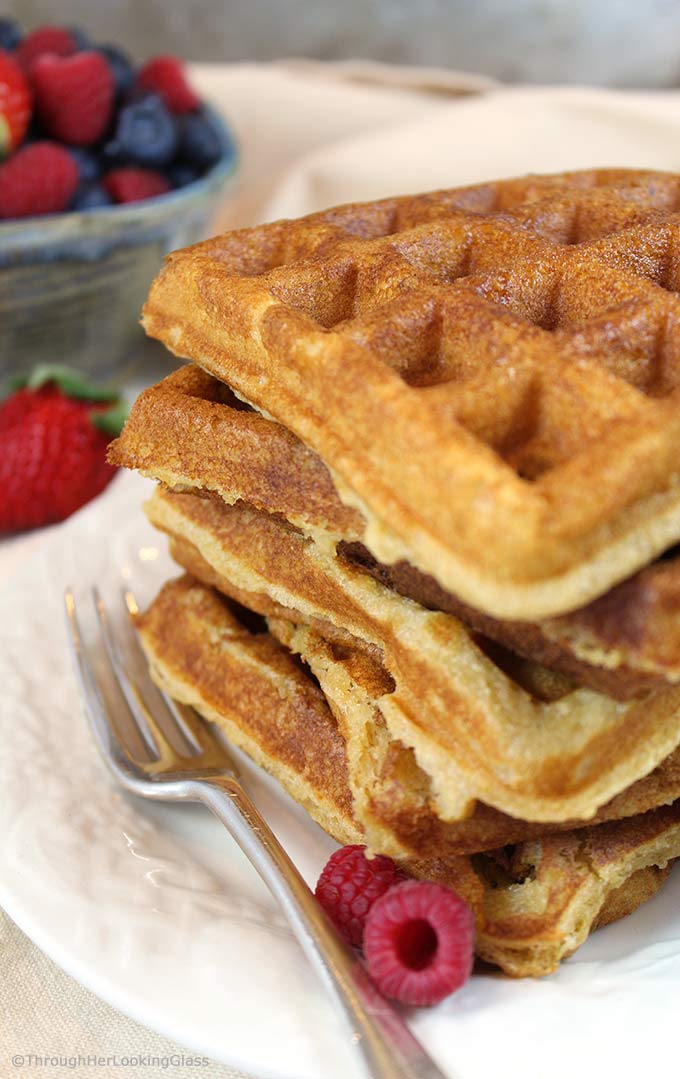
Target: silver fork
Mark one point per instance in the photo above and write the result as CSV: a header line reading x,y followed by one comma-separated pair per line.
x,y
168,753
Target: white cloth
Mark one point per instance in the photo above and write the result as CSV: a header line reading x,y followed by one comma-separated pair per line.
x,y
52,1026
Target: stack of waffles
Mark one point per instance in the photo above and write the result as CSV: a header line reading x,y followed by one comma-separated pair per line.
x,y
423,477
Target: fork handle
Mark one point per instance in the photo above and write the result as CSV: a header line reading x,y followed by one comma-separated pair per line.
x,y
388,1048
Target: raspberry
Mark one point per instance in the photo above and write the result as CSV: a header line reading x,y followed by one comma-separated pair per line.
x,y
54,40
418,942
41,178
349,885
165,76
132,185
74,96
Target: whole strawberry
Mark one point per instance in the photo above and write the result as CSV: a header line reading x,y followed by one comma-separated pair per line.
x,y
15,104
54,431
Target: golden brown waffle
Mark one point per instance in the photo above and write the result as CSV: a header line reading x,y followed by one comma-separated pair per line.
x,y
533,904
190,432
624,644
476,733
380,765
490,373
391,793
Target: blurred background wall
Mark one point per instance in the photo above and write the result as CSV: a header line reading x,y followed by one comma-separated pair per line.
x,y
609,42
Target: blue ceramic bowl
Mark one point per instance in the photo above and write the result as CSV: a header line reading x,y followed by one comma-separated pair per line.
x,y
72,285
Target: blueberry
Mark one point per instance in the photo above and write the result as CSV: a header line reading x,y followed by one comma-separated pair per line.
x,y
180,174
200,141
10,34
147,132
136,94
111,156
88,166
90,197
81,38
121,66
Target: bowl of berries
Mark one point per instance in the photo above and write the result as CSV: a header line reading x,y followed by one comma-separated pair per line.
x,y
104,168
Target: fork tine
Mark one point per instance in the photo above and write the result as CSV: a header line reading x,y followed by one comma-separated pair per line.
x,y
202,736
192,726
205,737
95,711
156,721
153,739
156,703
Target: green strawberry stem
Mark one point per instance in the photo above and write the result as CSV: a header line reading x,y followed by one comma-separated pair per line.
x,y
112,419
72,383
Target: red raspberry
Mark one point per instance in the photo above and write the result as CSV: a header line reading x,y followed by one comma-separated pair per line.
x,y
165,76
15,103
55,40
41,178
349,885
418,942
74,96
133,185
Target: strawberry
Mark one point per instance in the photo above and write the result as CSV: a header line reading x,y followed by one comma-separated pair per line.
x,y
44,40
40,178
54,431
74,96
165,75
15,103
133,185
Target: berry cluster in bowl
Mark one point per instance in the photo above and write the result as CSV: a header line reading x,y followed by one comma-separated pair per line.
x,y
82,128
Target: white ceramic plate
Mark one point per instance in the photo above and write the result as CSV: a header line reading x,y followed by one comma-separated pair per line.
x,y
156,910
